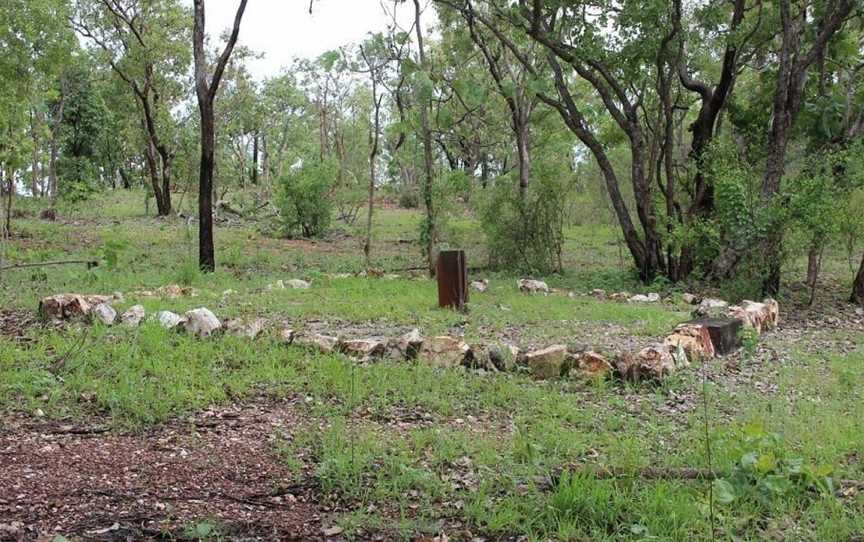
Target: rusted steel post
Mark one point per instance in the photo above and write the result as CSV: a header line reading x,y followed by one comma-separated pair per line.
x,y
452,274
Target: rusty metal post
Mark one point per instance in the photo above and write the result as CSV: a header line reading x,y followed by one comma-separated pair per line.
x,y
452,274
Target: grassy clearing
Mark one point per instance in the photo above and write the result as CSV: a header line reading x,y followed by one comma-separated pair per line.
x,y
411,450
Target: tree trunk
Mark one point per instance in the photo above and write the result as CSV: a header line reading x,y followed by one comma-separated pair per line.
x,y
206,249
523,154
10,191
206,92
814,264
429,228
255,158
858,285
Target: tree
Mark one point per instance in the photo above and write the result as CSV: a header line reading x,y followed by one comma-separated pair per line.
x,y
424,91
35,43
858,285
206,91
145,44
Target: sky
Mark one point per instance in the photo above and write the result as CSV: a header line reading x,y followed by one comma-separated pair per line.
x,y
284,29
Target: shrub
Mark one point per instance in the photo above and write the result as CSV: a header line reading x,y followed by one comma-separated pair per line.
x,y
409,198
525,234
304,198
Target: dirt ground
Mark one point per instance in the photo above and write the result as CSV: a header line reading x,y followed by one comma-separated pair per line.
x,y
84,482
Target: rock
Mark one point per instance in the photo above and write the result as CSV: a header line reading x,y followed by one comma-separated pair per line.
x,y
480,285
599,293
653,297
531,286
49,214
548,362
168,319
711,307
694,338
690,299
298,284
133,316
364,349
651,363
286,335
760,316
201,322
246,329
410,343
503,357
318,341
620,296
57,308
444,352
592,365
105,313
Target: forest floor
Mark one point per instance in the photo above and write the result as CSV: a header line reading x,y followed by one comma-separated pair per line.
x,y
113,433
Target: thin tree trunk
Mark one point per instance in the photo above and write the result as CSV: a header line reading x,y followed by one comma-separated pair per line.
x,y
814,265
10,191
430,226
858,285
255,158
206,92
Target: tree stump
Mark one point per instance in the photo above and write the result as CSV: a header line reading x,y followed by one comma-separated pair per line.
x,y
723,332
452,274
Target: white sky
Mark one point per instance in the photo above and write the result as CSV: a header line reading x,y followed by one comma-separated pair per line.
x,y
284,29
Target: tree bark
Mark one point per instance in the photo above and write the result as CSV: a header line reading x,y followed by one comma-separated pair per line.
x,y
255,158
206,92
430,226
858,285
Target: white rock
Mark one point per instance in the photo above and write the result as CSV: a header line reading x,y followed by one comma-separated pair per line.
x,y
410,343
168,319
318,341
364,348
690,299
532,286
286,335
246,329
710,304
298,284
201,322
104,313
653,297
133,316
480,285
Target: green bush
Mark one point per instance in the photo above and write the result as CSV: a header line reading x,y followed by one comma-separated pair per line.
x,y
304,198
409,198
525,234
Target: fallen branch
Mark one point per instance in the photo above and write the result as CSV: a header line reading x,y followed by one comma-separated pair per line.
x,y
89,263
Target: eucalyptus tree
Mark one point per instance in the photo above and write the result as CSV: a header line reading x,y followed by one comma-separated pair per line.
x,y
423,94
206,88
513,82
146,43
35,42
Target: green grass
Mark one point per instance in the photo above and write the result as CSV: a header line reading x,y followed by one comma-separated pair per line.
x,y
407,448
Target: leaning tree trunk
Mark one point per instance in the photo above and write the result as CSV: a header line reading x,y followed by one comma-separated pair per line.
x,y
858,285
